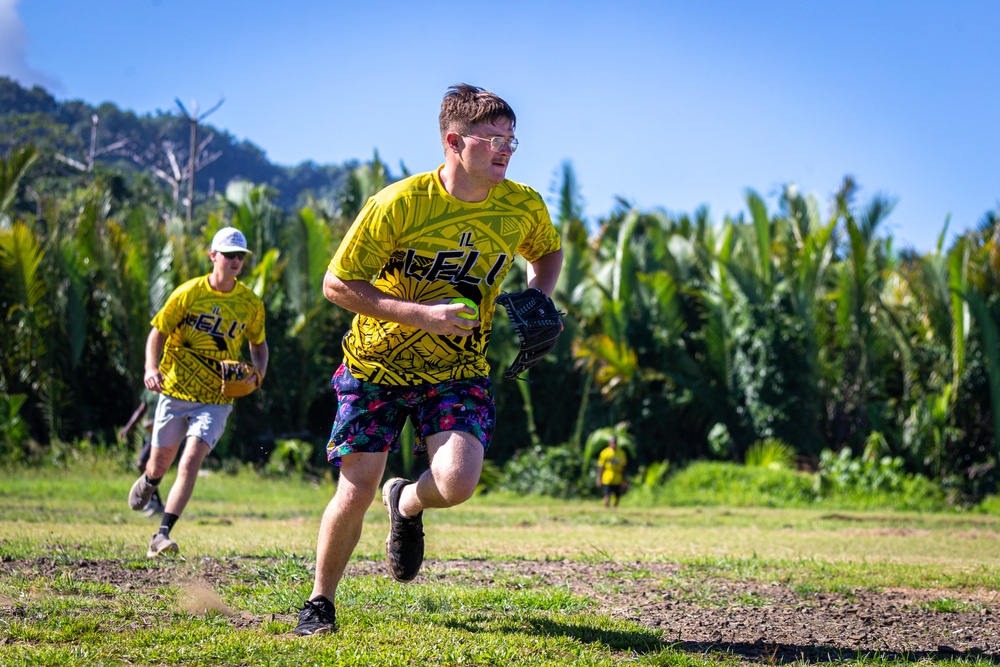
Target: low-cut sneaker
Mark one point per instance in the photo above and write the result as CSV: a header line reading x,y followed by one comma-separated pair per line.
x,y
404,545
140,494
161,544
317,616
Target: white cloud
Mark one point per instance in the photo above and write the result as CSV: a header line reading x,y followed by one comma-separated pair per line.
x,y
13,50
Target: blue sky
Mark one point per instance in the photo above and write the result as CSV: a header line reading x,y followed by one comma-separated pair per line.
x,y
667,104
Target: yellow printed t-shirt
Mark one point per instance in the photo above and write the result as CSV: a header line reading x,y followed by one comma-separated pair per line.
x,y
203,327
421,244
612,462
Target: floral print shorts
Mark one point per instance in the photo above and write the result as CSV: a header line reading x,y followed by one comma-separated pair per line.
x,y
370,417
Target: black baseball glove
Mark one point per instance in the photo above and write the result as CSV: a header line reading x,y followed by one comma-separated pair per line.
x,y
538,324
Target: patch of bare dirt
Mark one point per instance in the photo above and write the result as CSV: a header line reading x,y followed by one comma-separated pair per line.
x,y
753,621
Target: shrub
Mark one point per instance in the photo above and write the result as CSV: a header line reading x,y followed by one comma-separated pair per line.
x,y
841,471
490,477
720,443
13,429
548,471
723,483
770,453
989,505
644,486
716,483
873,481
914,494
289,456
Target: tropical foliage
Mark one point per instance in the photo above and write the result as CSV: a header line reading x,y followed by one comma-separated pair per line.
x,y
787,334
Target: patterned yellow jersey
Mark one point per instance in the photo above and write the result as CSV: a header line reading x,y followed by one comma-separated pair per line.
x,y
415,241
203,327
612,463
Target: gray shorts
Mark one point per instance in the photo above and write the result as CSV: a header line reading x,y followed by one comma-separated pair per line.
x,y
175,420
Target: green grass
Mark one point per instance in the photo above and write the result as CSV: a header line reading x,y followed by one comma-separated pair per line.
x,y
950,605
717,483
59,523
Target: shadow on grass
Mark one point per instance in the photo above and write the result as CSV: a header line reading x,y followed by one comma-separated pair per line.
x,y
638,641
648,641
784,654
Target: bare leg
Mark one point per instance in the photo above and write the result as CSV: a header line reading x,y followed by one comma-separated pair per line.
x,y
456,461
340,529
160,460
187,473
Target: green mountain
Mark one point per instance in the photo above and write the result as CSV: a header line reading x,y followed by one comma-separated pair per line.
x,y
156,144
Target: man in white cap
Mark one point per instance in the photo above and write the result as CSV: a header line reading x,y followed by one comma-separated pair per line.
x,y
204,321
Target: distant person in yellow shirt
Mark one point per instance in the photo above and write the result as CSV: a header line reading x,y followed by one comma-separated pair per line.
x,y
611,472
204,321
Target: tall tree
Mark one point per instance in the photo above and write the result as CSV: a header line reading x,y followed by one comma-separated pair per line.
x,y
195,151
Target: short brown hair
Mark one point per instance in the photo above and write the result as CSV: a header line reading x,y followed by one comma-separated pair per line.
x,y
464,106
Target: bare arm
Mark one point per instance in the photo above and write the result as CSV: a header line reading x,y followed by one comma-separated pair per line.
x,y
152,378
543,273
133,420
259,356
360,296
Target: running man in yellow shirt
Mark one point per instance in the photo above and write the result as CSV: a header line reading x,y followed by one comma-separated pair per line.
x,y
203,322
412,351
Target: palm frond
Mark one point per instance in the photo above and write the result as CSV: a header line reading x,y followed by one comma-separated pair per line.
x,y
12,171
21,256
991,345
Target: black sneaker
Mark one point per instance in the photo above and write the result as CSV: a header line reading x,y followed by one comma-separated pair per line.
x,y
317,616
404,546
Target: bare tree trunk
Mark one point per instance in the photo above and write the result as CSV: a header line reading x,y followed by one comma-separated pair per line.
x,y
193,119
192,166
93,144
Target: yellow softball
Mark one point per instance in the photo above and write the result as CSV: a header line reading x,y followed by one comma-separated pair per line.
x,y
471,304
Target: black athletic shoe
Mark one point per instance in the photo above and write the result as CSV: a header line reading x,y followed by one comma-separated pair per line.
x,y
317,616
404,546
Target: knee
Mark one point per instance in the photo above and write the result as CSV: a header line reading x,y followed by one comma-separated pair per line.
x,y
356,493
158,465
154,471
458,489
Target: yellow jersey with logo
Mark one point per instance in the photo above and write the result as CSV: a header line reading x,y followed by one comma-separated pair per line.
x,y
415,241
612,463
203,327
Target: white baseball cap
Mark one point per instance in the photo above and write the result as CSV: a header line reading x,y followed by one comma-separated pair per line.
x,y
230,239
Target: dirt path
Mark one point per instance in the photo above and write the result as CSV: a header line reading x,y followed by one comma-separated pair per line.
x,y
772,623
756,622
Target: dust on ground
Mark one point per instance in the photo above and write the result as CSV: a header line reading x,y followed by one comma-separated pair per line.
x,y
755,622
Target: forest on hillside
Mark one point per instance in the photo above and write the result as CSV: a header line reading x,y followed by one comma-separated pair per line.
x,y
800,326
82,137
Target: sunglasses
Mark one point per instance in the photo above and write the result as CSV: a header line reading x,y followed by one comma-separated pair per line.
x,y
235,255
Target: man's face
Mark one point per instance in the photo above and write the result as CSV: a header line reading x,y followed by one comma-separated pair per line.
x,y
480,161
230,263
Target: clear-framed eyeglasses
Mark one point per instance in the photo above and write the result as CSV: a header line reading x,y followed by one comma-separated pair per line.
x,y
496,143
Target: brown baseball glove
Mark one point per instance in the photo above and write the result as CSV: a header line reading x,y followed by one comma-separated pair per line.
x,y
238,378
